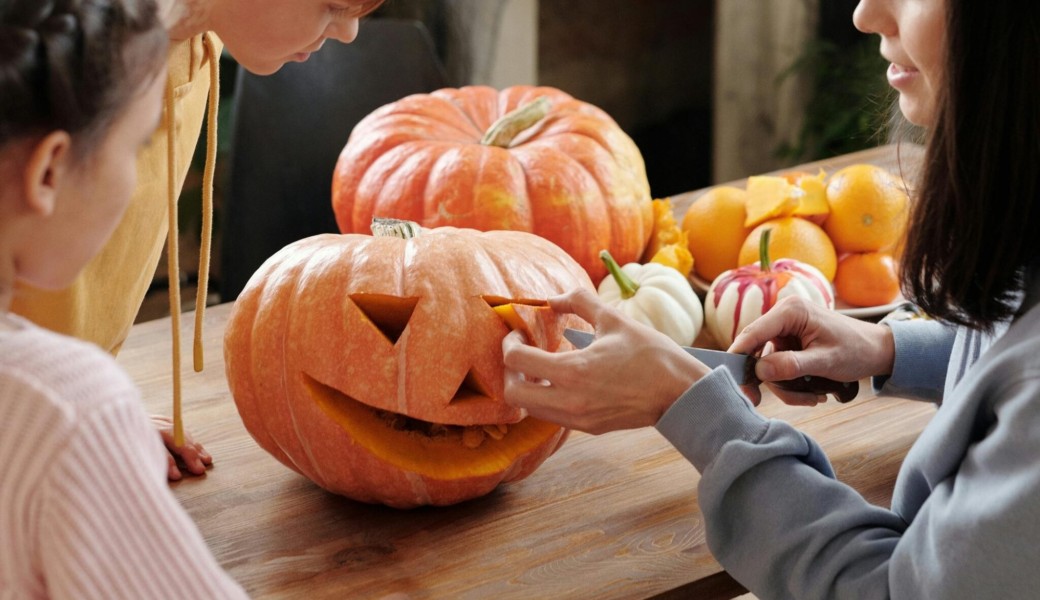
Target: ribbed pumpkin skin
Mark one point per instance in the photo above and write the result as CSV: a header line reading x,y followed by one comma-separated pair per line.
x,y
574,178
295,329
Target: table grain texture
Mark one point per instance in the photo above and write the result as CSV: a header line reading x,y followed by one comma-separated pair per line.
x,y
609,516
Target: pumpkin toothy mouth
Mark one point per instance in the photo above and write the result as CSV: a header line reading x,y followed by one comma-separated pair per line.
x,y
431,449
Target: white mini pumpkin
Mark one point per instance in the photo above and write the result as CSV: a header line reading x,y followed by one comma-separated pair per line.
x,y
655,295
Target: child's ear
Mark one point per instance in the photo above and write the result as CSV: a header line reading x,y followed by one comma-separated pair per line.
x,y
48,165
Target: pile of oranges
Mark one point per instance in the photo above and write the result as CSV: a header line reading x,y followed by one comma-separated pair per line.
x,y
850,226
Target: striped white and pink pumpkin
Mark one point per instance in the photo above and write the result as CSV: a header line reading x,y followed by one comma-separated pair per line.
x,y
739,296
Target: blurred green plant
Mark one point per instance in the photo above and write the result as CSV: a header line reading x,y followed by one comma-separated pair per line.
x,y
850,104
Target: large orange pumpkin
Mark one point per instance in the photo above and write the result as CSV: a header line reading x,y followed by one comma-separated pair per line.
x,y
525,159
373,365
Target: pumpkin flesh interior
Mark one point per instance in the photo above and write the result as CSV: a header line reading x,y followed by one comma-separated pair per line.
x,y
428,449
507,312
536,320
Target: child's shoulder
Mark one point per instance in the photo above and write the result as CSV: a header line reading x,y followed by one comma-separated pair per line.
x,y
66,373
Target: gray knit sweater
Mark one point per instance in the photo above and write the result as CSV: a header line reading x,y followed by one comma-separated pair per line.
x,y
965,514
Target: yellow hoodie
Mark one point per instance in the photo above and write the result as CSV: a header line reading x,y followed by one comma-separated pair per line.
x,y
101,305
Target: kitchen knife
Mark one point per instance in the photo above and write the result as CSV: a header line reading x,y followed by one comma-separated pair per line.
x,y
742,367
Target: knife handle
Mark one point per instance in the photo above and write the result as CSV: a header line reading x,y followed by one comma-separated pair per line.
x,y
842,390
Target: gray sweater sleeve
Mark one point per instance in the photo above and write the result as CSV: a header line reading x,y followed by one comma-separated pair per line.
x,y
923,348
965,514
775,517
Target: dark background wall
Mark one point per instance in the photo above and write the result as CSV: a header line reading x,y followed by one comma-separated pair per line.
x,y
649,65
646,62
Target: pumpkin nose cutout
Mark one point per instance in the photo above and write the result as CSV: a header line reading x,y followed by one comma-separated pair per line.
x,y
472,388
389,314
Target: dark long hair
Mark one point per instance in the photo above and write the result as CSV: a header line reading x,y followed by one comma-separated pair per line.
x,y
72,65
973,227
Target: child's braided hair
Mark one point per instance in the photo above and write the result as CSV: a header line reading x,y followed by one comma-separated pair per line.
x,y
72,65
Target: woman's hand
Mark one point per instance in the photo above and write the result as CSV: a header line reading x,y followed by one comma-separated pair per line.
x,y
191,454
625,379
797,338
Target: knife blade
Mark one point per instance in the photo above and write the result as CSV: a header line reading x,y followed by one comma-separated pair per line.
x,y
742,367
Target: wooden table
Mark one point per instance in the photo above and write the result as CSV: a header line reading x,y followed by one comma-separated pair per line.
x,y
613,516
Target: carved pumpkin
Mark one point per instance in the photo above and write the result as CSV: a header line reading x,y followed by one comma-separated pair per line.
x,y
739,296
373,365
524,159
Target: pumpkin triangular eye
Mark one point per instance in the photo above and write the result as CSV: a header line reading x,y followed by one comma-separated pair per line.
x,y
471,388
389,314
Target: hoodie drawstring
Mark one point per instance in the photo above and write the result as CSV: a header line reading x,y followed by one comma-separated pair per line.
x,y
172,264
207,195
172,246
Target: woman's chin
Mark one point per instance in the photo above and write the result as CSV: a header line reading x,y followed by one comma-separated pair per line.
x,y
916,112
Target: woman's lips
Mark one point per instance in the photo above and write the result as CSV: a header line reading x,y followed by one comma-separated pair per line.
x,y
900,76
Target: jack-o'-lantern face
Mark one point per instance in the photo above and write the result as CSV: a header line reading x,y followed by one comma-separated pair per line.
x,y
373,365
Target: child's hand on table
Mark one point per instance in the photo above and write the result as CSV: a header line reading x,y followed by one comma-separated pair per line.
x,y
191,454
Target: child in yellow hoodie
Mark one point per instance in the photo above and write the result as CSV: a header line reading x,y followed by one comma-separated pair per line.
x,y
101,305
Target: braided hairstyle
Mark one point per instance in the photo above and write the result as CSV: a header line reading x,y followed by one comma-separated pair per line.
x,y
73,65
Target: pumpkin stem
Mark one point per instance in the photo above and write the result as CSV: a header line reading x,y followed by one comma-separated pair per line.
x,y
763,251
503,131
628,287
385,227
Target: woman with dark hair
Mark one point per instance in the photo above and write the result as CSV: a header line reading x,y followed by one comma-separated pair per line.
x,y
965,515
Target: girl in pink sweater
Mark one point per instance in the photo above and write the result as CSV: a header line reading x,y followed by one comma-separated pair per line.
x,y
85,511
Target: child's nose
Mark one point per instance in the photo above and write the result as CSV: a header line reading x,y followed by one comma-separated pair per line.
x,y
344,31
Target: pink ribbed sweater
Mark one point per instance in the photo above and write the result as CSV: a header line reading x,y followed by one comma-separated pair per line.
x,y
85,509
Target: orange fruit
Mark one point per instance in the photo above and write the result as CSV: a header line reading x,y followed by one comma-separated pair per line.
x,y
770,197
792,237
813,204
867,279
794,193
868,209
714,225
